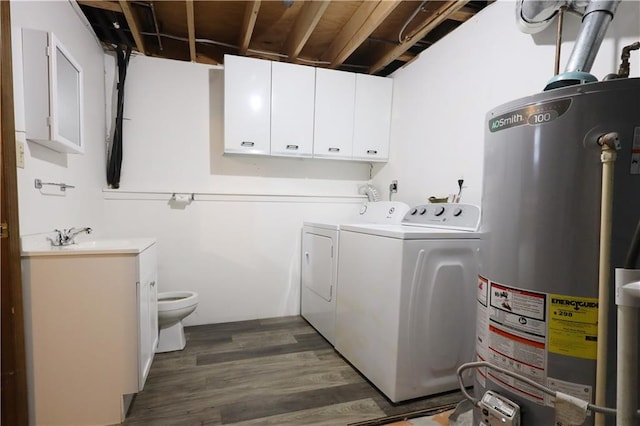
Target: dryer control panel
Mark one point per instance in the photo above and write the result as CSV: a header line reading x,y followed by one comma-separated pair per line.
x,y
463,217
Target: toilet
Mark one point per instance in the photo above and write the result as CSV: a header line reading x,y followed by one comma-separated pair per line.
x,y
173,307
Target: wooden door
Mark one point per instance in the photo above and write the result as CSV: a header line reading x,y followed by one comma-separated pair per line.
x,y
13,393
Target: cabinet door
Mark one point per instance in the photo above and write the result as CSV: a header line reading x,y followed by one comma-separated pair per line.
x,y
147,312
153,313
372,118
292,105
247,105
52,93
333,128
144,332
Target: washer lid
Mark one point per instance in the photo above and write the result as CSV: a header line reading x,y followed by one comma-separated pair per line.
x,y
405,232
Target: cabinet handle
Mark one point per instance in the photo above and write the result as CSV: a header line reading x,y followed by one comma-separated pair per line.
x,y
292,146
153,283
372,151
334,149
247,143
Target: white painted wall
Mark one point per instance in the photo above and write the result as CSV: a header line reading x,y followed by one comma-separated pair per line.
x,y
238,243
440,100
42,211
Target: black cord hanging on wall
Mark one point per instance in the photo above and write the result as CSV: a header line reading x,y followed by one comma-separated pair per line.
x,y
115,156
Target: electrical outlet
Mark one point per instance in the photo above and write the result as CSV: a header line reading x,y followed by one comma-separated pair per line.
x,y
393,188
20,154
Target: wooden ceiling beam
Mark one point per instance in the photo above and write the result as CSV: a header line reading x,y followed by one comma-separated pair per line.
x,y
191,26
306,22
431,21
463,14
105,5
132,22
250,16
407,57
362,27
349,29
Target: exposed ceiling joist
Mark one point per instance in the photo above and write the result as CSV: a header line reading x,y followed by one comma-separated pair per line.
x,y
104,5
349,35
364,21
132,22
429,23
407,57
191,26
250,16
463,14
302,29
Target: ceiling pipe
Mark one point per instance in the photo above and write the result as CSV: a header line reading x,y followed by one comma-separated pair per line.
x,y
535,15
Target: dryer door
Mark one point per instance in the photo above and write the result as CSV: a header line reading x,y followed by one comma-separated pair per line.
x,y
318,264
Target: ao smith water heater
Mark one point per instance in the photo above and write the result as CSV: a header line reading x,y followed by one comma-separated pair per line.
x,y
538,289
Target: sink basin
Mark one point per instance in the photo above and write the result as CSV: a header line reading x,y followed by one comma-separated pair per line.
x,y
98,246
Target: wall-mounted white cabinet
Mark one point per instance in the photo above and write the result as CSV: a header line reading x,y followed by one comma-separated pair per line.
x,y
282,109
372,118
52,93
247,105
335,102
292,107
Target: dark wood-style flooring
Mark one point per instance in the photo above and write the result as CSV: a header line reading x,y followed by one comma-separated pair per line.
x,y
262,372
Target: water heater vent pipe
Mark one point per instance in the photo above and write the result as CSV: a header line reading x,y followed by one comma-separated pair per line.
x,y
535,15
595,22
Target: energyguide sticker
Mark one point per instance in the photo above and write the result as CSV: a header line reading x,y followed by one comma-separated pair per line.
x,y
573,326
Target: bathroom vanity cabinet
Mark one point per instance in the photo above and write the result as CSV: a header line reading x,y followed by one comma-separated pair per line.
x,y
90,329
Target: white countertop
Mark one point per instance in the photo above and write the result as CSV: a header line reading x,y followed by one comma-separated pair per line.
x,y
91,247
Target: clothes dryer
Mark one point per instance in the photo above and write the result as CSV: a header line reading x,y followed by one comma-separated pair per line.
x,y
405,316
319,269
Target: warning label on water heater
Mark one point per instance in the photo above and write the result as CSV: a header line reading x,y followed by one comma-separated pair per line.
x,y
573,326
517,337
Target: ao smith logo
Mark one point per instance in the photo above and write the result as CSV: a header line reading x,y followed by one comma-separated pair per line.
x,y
532,115
576,304
510,121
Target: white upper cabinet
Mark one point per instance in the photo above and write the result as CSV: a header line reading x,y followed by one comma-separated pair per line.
x,y
372,120
52,93
334,113
292,106
247,105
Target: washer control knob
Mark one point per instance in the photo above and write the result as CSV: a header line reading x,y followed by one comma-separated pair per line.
x,y
439,211
457,211
363,209
423,211
413,211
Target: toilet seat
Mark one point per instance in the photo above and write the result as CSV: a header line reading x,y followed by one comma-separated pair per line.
x,y
173,300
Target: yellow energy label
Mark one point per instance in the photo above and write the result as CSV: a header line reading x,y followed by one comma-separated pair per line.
x,y
573,326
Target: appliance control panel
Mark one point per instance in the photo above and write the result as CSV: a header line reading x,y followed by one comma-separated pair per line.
x,y
390,212
465,217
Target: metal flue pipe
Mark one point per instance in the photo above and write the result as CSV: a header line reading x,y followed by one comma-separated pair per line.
x,y
595,22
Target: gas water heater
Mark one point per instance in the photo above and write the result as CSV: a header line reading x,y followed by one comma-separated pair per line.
x,y
537,308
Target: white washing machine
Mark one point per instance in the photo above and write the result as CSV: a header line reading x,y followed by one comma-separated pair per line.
x,y
406,308
319,269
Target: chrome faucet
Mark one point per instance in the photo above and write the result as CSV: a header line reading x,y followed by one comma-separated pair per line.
x,y
67,236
